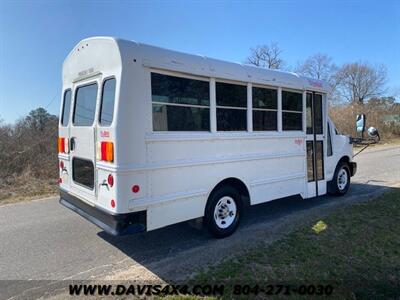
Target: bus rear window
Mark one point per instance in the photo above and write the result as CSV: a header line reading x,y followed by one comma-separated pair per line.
x,y
83,172
107,102
66,108
85,105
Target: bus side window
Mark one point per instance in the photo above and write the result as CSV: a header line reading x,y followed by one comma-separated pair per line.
x,y
231,106
329,150
265,109
66,107
180,104
107,102
292,111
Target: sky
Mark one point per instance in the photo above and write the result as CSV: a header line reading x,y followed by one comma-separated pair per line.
x,y
36,36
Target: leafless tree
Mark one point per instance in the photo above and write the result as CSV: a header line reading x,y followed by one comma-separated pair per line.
x,y
266,56
319,66
357,82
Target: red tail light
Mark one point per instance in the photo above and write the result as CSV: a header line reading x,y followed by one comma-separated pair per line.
x,y
105,151
61,165
63,145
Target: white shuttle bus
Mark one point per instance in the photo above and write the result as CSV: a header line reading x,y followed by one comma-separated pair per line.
x,y
150,137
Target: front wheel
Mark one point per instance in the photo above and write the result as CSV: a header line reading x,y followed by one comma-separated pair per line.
x,y
340,183
223,211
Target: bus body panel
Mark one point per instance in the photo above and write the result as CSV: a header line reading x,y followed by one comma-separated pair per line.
x,y
177,171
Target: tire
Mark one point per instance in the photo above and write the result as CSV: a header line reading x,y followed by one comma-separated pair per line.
x,y
340,183
223,211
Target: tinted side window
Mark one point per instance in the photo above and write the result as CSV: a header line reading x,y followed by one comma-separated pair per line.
x,y
231,107
171,89
265,109
66,107
292,110
180,104
180,118
85,105
292,101
231,95
329,150
107,102
318,113
265,98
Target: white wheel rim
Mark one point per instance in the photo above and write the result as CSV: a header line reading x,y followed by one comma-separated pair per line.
x,y
225,212
342,179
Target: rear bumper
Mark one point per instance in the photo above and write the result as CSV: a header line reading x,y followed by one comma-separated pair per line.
x,y
114,224
353,168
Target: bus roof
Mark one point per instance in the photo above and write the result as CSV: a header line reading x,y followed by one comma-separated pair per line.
x,y
170,60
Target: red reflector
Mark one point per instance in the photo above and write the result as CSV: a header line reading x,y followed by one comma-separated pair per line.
x,y
61,165
59,180
135,188
112,203
110,180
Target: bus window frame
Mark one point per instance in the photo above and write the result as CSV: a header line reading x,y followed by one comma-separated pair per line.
x,y
97,118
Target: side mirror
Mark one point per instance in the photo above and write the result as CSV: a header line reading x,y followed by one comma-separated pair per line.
x,y
360,123
373,133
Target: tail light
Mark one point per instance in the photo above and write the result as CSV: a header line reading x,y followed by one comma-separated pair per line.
x,y
105,151
63,145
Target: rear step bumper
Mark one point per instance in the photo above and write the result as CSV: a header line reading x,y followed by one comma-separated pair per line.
x,y
114,224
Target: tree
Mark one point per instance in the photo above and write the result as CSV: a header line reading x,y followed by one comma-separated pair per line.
x,y
38,119
266,56
360,81
318,66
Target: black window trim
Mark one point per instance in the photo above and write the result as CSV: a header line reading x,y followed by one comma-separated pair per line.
x,y
101,101
184,76
75,92
63,108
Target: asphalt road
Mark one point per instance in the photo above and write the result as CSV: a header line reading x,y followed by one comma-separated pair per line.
x,y
42,240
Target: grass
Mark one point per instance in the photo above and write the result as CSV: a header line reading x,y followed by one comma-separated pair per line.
x,y
358,253
26,187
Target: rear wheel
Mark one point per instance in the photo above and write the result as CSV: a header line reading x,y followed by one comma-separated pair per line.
x,y
341,180
223,211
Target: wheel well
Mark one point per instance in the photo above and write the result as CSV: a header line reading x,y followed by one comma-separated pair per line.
x,y
345,159
237,184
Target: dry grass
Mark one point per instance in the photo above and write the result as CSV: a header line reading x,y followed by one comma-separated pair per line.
x,y
26,186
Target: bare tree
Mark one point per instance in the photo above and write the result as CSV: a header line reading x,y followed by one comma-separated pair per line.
x,y
319,66
266,56
359,81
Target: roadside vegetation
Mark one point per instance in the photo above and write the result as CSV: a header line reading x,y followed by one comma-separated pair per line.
x,y
28,157
358,253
